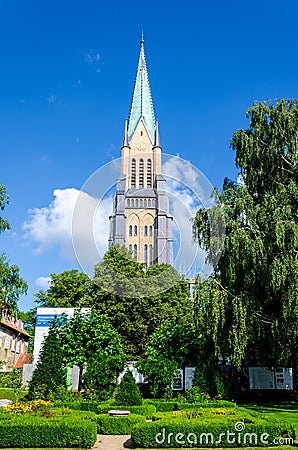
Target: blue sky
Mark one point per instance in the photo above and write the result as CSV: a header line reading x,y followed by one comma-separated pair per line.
x,y
67,76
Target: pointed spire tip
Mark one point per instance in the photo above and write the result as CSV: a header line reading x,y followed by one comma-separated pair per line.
x,y
142,38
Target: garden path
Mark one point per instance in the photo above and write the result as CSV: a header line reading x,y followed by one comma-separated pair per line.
x,y
108,442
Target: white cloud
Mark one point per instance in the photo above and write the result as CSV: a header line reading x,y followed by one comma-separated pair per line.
x,y
51,98
52,226
43,282
93,59
189,190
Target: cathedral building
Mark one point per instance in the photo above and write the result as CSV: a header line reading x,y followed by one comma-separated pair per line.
x,y
140,218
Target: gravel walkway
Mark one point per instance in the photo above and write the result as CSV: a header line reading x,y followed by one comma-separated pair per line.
x,y
109,442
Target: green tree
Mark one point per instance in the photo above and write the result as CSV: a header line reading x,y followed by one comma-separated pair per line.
x,y
137,301
48,378
128,392
29,320
173,345
11,284
66,290
90,342
4,198
252,300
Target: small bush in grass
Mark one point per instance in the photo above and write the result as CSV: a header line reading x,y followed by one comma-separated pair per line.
x,y
128,392
107,424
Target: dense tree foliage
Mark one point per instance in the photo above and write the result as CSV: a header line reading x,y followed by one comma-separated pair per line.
x,y
90,342
4,197
250,306
66,290
11,283
137,301
173,345
49,376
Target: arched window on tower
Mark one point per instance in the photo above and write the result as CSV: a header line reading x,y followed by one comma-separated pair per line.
x,y
146,254
130,247
141,173
130,230
145,230
135,230
128,202
149,173
135,250
150,255
150,230
133,173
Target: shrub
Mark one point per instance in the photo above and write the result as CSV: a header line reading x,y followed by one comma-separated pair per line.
x,y
162,405
80,406
27,431
193,395
128,392
118,425
11,379
49,376
199,433
35,406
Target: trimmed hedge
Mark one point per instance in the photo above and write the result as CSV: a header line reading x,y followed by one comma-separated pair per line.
x,y
118,425
33,431
163,406
144,410
80,406
198,433
166,406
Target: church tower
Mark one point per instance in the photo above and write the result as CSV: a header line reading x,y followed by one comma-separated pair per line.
x,y
141,219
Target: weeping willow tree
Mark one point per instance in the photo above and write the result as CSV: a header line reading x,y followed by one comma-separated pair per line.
x,y
250,306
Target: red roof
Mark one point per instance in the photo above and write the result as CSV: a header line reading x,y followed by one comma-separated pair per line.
x,y
24,358
13,323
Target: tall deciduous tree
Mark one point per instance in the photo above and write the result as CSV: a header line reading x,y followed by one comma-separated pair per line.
x,y
172,345
90,342
4,197
138,301
253,298
66,290
11,283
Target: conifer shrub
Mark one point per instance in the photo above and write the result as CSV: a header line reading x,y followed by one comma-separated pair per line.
x,y
49,378
128,392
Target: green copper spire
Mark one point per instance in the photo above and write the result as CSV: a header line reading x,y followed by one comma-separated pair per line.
x,y
141,105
